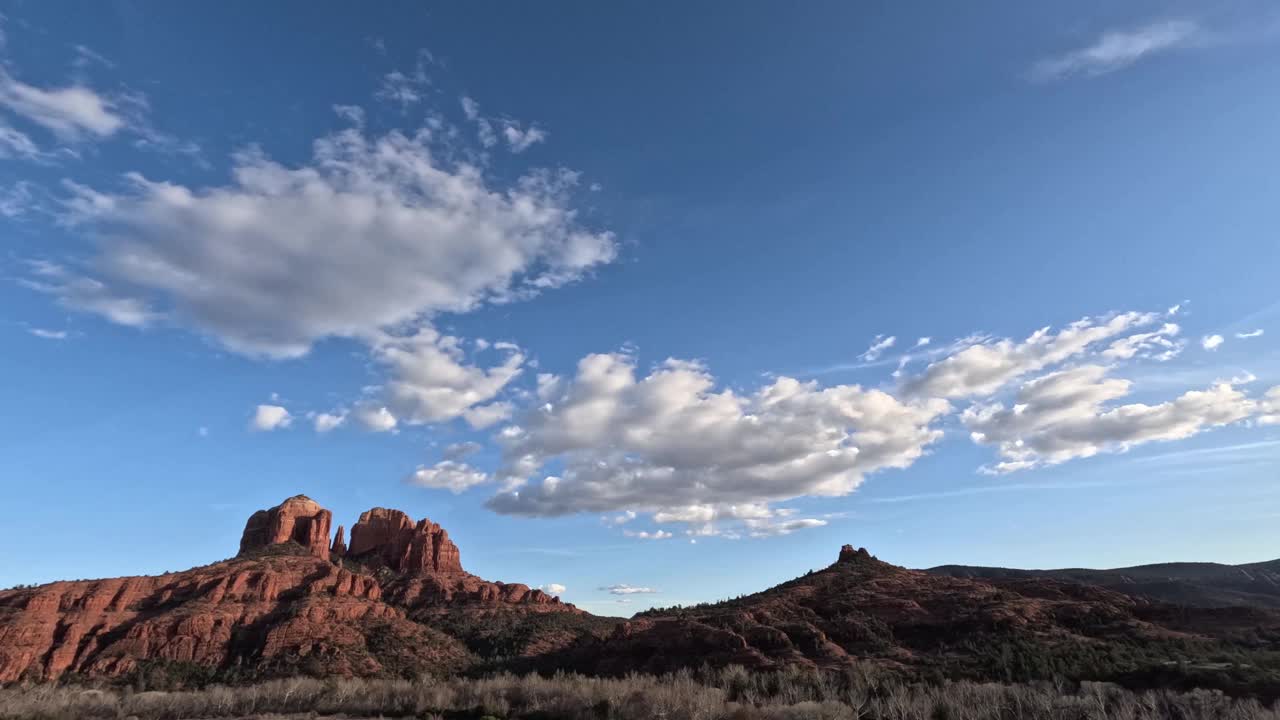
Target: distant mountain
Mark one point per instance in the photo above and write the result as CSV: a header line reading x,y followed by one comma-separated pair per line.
x,y
933,624
395,601
1195,584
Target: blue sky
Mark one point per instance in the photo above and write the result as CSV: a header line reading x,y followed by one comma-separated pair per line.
x,y
629,296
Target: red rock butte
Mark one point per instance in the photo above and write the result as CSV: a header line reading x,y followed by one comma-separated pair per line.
x,y
298,519
292,592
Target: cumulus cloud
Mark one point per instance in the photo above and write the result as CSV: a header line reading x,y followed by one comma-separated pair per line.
x,y
372,233
983,366
625,589
554,588
431,380
621,519
270,417
1211,342
376,418
450,475
1270,407
878,346
673,444
72,112
1251,334
1118,49
1068,414
325,422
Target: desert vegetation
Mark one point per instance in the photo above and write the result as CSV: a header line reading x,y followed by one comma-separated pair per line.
x,y
731,693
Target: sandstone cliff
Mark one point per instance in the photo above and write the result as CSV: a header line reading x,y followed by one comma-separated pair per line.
x,y
281,602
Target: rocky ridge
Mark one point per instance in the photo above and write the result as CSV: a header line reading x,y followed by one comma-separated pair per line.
x,y
291,595
392,598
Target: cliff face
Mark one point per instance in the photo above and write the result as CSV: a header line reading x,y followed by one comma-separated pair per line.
x,y
392,539
281,602
298,519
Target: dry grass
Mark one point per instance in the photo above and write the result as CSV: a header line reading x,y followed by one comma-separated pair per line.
x,y
730,694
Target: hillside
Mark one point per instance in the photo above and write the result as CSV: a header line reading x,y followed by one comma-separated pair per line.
x,y
291,601
1194,584
929,625
396,602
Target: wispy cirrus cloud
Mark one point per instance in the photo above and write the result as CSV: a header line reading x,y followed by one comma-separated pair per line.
x,y
625,589
1117,49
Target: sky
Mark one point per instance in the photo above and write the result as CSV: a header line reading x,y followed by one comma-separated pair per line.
x,y
647,305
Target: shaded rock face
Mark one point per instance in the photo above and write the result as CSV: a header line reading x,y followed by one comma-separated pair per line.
x,y
271,612
298,519
861,609
339,547
392,539
849,555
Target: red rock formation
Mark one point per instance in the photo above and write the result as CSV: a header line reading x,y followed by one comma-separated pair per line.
x,y
390,538
299,519
267,610
860,609
339,545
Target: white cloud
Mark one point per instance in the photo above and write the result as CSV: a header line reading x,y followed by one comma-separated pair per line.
x,y
405,89
79,292
470,108
70,112
270,417
1117,49
1269,408
483,416
1160,345
17,199
353,114
645,535
625,589
449,475
983,366
376,418
878,346
923,341
520,139
769,527
16,144
672,444
1251,334
1067,414
554,588
617,520
325,422
431,381
48,334
373,233
1211,342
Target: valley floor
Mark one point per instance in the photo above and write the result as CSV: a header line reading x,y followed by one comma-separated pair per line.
x,y
729,694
